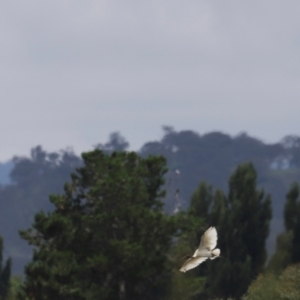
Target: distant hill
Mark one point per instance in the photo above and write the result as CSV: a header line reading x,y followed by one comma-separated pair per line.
x,y
212,157
32,179
191,157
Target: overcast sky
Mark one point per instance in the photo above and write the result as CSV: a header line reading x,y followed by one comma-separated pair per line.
x,y
74,71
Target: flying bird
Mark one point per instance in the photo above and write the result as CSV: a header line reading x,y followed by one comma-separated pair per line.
x,y
206,250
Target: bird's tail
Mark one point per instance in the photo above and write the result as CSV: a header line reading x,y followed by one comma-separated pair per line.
x,y
215,253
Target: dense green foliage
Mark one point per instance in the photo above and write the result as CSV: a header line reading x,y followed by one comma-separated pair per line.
x,y
191,158
107,237
270,287
189,285
15,287
209,157
288,243
242,220
5,271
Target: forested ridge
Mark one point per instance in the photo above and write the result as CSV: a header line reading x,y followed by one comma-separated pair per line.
x,y
199,168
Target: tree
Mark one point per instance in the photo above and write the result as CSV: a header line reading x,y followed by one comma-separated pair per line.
x,y
107,237
32,180
288,243
211,157
243,234
282,287
192,225
4,274
116,142
242,221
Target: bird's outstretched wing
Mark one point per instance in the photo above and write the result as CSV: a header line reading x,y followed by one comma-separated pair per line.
x,y
192,263
209,239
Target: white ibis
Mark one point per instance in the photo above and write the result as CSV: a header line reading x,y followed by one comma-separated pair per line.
x,y
206,250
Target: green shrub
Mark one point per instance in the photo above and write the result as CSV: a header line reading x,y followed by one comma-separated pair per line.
x,y
283,287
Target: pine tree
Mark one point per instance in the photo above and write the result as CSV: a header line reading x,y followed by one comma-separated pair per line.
x,y
242,235
242,221
107,237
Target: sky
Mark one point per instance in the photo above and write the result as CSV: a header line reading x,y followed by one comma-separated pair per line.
x,y
74,71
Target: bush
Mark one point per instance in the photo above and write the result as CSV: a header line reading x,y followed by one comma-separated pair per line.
x,y
283,287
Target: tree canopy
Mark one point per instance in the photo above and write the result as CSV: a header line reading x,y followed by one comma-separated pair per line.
x,y
242,220
107,237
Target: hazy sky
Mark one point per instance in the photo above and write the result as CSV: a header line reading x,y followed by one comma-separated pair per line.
x,y
74,71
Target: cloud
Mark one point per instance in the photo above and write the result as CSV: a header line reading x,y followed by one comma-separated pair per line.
x,y
74,71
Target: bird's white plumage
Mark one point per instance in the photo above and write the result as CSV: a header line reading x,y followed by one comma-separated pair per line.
x,y
192,263
209,239
206,250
